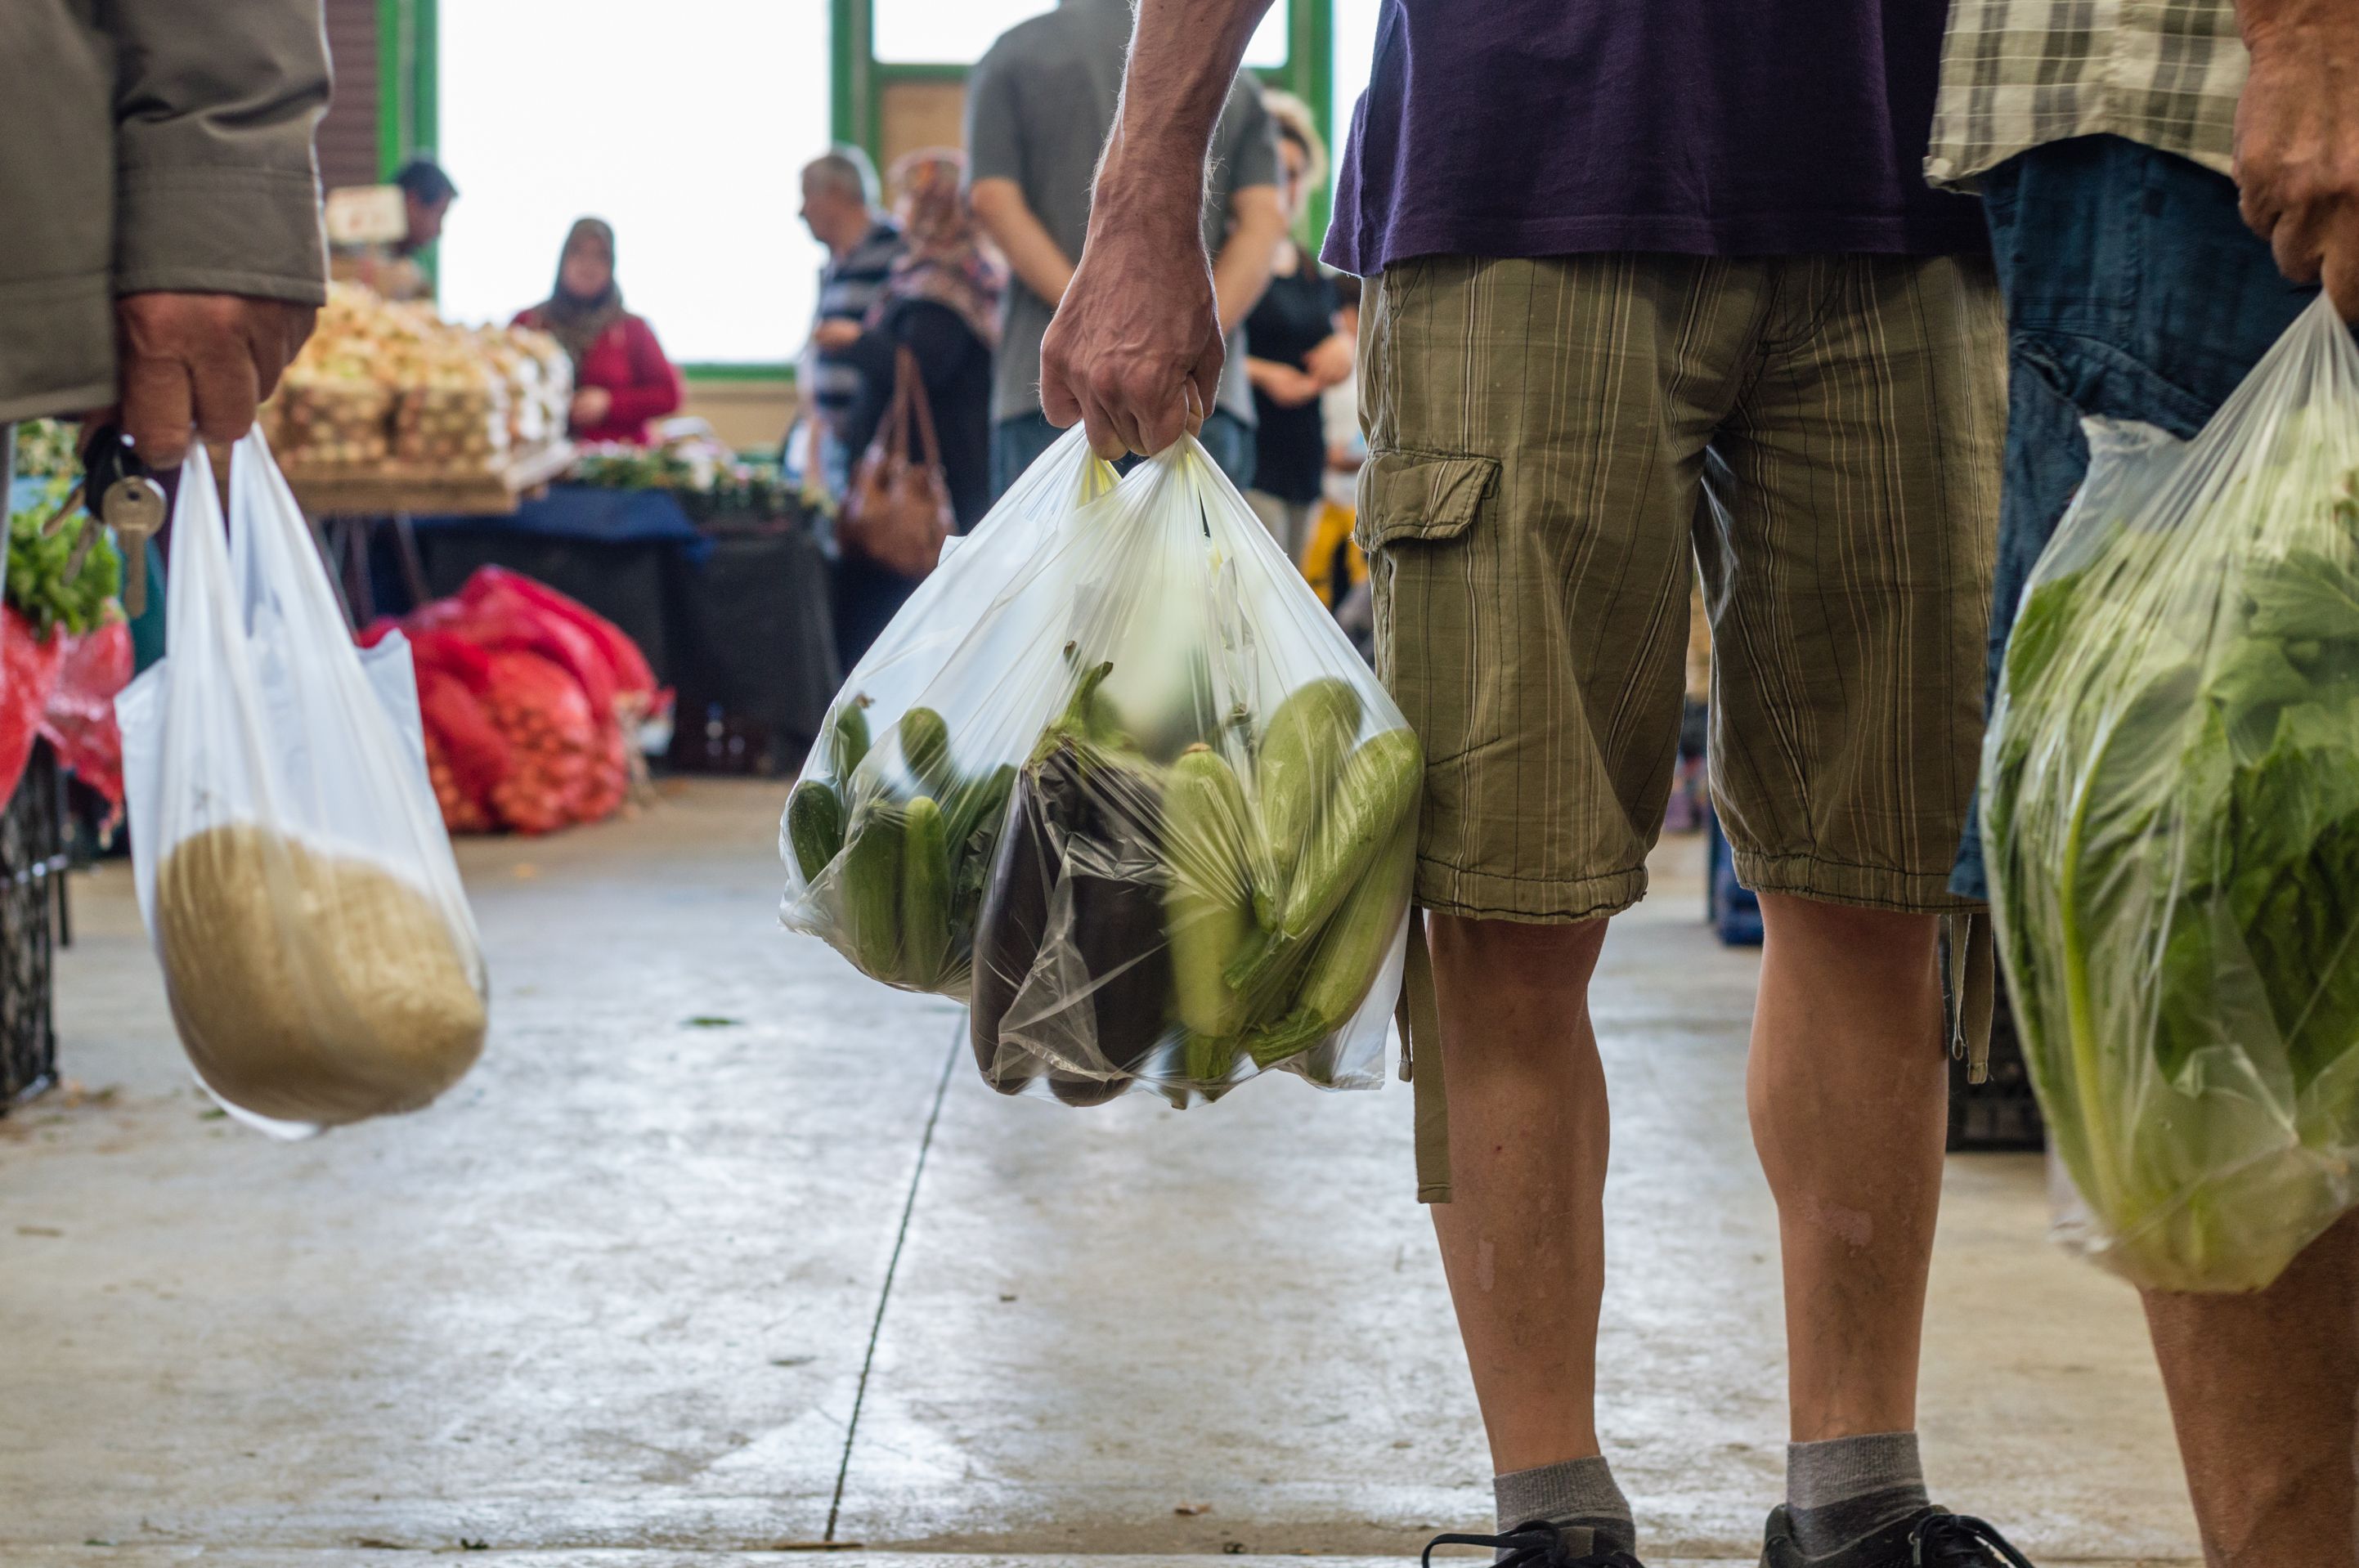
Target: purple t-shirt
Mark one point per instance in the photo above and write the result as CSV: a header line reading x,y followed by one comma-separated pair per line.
x,y
1715,127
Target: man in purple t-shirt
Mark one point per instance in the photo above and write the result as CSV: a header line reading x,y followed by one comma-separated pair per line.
x,y
1653,288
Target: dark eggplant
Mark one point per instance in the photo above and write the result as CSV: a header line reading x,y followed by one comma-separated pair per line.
x,y
1117,880
1015,917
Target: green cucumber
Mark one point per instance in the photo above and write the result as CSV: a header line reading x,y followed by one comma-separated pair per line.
x,y
872,891
925,894
973,806
926,748
814,827
850,727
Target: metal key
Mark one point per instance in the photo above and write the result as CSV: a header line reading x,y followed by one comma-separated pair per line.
x,y
129,503
134,508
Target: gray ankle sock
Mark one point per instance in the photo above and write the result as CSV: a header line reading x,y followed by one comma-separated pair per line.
x,y
1847,1487
1573,1491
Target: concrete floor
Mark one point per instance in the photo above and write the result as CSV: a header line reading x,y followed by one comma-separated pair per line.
x,y
612,1304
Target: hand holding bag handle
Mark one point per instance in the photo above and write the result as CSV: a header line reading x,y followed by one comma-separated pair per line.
x,y
898,511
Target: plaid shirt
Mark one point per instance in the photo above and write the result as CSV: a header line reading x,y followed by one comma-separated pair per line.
x,y
2016,74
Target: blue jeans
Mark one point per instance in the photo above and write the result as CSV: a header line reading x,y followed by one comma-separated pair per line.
x,y
1017,444
2134,291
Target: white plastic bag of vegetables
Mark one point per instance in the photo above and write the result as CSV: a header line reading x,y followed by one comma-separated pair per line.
x,y
317,951
2171,818
1114,777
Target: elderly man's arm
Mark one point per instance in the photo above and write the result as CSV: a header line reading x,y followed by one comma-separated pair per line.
x,y
2298,139
1135,351
1032,252
220,263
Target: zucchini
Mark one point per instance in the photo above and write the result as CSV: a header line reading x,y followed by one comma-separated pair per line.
x,y
1379,789
926,748
1349,953
1209,907
1209,1061
925,894
814,827
1301,756
850,737
872,891
1377,792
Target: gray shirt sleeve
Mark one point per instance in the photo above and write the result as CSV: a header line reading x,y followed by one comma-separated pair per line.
x,y
217,189
994,140
1246,144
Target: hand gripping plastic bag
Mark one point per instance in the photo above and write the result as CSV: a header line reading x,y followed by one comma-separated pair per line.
x,y
2171,817
317,952
1114,776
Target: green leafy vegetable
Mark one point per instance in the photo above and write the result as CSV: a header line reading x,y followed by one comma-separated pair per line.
x,y
2172,825
45,583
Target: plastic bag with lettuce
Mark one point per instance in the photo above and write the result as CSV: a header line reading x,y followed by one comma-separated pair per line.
x,y
1114,776
2172,814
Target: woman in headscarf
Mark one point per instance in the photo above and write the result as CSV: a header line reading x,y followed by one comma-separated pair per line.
x,y
941,302
621,378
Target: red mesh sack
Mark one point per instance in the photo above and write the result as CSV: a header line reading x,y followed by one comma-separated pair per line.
x,y
28,672
555,741
632,676
79,718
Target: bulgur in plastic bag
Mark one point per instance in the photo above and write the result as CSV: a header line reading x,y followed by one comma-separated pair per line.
x,y
319,955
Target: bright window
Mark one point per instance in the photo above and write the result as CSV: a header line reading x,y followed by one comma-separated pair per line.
x,y
957,32
1355,56
684,132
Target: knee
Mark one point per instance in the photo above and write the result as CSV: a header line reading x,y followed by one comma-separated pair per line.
x,y
1514,955
1845,935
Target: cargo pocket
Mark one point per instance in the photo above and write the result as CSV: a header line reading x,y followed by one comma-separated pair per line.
x,y
1434,556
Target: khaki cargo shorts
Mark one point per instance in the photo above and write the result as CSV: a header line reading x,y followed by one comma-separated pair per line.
x,y
1557,443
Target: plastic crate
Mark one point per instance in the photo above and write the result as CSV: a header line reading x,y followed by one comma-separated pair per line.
x,y
32,924
1730,907
2002,1112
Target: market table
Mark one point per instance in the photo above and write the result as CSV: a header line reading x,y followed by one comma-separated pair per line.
x,y
345,506
734,613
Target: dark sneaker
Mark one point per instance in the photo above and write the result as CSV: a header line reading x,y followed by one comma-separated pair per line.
x,y
1934,1538
1541,1545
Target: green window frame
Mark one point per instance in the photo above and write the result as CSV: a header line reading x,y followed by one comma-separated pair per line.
x,y
409,108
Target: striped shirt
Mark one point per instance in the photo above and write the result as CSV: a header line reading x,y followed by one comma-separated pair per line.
x,y
847,288
2018,73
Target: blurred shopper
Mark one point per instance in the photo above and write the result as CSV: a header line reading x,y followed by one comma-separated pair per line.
x,y
621,376
1651,284
2152,183
160,248
841,210
1295,348
398,271
1039,109
940,304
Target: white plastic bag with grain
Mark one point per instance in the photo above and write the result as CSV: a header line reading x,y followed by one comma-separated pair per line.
x,y
292,867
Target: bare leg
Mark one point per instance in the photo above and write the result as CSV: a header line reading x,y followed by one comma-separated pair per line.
x,y
2264,1392
1524,1239
1847,1086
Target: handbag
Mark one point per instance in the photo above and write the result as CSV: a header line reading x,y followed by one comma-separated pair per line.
x,y
898,511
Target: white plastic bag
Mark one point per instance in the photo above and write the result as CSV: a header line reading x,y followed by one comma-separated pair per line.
x,y
2171,818
1114,777
292,868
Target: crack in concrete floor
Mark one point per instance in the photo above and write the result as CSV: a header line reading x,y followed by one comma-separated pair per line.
x,y
613,1302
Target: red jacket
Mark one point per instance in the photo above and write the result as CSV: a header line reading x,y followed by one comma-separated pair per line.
x,y
630,364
